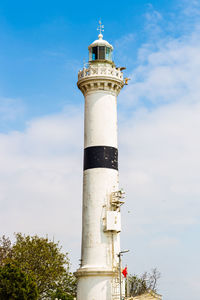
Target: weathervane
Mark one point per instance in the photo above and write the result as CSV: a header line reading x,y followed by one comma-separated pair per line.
x,y
100,28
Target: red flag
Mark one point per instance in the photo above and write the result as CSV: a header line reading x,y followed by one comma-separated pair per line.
x,y
124,272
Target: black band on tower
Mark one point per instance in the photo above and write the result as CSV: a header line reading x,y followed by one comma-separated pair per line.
x,y
100,157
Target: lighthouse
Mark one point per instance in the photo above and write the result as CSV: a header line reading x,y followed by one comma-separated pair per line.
x,y
100,82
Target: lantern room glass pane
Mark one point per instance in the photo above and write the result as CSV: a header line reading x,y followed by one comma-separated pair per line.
x,y
101,52
94,53
108,53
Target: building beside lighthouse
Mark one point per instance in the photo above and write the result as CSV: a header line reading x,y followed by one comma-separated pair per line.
x,y
100,82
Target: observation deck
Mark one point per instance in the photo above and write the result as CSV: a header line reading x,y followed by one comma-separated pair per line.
x,y
100,76
102,70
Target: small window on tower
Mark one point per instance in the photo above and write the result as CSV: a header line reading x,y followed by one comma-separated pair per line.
x,y
101,52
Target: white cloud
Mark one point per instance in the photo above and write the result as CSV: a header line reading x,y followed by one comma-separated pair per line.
x,y
159,162
10,108
190,8
124,41
160,165
168,74
164,242
152,21
40,170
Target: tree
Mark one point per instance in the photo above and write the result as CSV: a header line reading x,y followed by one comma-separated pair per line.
x,y
140,284
137,285
5,249
67,285
43,259
152,279
60,294
16,285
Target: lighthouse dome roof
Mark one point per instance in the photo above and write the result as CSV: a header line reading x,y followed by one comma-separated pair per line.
x,y
100,42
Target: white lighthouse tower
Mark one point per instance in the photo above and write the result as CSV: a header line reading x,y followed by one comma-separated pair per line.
x,y
100,82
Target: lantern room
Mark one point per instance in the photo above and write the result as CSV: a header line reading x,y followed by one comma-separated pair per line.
x,y
100,50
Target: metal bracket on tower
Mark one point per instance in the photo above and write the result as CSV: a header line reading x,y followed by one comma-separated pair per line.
x,y
116,197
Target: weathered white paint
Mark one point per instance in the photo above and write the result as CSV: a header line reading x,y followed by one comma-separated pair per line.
x,y
97,245
95,288
98,275
100,119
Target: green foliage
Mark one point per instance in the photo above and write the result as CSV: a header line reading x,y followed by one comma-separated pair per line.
x,y
137,285
15,284
5,249
60,294
68,284
43,259
140,284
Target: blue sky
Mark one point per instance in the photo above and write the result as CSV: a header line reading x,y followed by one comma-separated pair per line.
x,y
43,46
44,43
